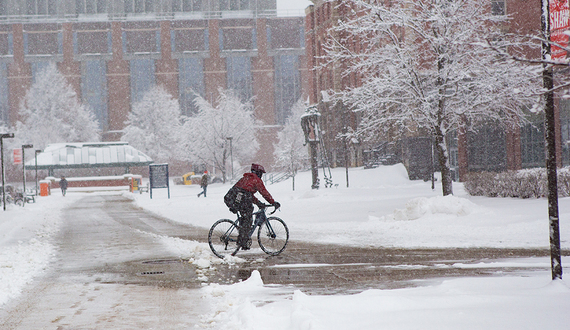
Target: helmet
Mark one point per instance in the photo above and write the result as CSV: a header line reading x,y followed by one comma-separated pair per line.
x,y
257,169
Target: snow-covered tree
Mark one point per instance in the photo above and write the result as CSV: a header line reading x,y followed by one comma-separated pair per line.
x,y
207,134
51,112
154,126
424,68
290,152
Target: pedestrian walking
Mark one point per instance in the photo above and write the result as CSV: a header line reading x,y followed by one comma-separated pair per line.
x,y
204,183
63,185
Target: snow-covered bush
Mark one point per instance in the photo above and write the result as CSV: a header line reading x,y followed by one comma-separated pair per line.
x,y
525,183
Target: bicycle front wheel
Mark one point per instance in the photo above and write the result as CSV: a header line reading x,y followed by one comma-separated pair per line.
x,y
222,238
273,236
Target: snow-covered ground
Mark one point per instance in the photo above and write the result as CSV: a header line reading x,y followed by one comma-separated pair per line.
x,y
380,208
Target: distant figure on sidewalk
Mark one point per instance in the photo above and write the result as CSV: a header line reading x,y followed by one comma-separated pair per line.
x,y
63,185
204,183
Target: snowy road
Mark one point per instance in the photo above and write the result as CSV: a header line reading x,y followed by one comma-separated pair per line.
x,y
112,272
104,276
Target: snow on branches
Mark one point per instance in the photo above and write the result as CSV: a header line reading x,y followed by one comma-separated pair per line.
x,y
423,69
51,112
290,152
154,125
209,133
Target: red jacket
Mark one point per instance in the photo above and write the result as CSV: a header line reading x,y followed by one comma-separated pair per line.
x,y
252,183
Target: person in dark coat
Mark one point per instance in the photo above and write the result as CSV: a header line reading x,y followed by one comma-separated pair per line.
x,y
248,185
204,183
63,185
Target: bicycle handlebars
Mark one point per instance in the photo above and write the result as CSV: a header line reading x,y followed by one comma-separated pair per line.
x,y
269,205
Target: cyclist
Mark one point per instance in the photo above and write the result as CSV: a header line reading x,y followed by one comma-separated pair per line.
x,y
240,199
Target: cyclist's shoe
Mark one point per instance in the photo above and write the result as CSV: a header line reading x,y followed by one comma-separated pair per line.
x,y
247,245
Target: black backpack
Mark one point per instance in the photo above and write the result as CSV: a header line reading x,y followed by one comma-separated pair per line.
x,y
237,199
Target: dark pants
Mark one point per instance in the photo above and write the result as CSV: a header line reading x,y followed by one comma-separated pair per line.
x,y
204,188
245,225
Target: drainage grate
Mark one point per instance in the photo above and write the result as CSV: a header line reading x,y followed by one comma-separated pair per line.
x,y
152,273
163,261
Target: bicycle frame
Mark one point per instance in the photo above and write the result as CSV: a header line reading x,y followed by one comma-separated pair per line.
x,y
223,234
259,218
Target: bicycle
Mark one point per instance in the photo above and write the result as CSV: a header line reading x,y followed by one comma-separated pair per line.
x,y
272,235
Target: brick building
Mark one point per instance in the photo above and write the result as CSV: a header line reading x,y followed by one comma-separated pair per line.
x,y
490,149
112,51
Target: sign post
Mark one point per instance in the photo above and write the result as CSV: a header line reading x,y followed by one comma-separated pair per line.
x,y
159,177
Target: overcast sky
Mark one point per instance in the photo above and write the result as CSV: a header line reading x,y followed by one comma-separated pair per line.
x,y
293,4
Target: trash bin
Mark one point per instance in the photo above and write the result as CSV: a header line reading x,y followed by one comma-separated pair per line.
x,y
44,188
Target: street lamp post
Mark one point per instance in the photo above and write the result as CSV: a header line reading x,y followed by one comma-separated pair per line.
x,y
36,165
231,156
2,137
24,147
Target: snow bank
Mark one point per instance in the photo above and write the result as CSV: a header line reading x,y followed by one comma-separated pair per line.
x,y
467,303
27,242
418,207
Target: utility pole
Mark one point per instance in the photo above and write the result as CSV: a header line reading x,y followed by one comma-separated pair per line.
x,y
550,136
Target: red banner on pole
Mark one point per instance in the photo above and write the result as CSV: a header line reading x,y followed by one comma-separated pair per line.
x,y
559,24
17,156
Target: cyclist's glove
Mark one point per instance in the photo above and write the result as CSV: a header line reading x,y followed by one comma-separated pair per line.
x,y
276,205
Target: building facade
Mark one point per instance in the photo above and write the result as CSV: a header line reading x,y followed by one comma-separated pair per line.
x,y
113,51
489,149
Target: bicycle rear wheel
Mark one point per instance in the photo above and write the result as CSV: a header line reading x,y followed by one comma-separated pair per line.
x,y
222,238
273,236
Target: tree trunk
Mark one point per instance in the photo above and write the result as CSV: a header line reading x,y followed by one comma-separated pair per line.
x,y
443,157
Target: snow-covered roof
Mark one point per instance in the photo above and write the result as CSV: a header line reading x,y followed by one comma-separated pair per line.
x,y
88,155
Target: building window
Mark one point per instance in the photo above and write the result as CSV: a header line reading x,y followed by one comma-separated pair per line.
x,y
90,6
189,37
487,149
43,39
532,145
41,7
92,39
139,6
94,89
4,105
234,5
37,68
142,78
287,85
564,110
239,76
3,9
186,5
238,37
141,38
285,34
191,83
498,7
